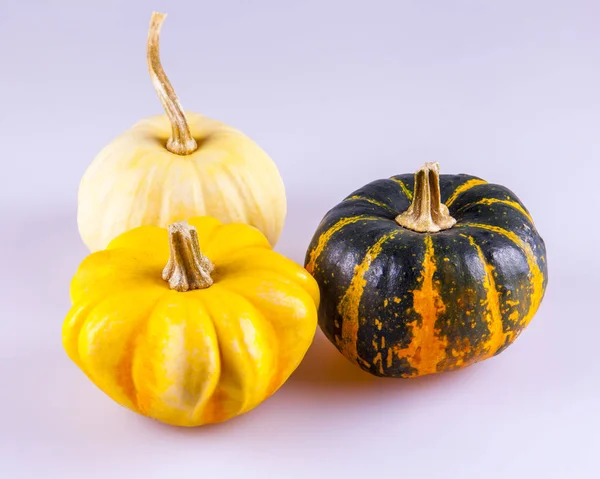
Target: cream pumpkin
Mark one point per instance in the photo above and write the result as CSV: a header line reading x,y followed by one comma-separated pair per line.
x,y
170,167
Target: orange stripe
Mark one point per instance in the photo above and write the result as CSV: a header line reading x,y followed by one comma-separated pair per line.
x,y
536,277
491,201
326,236
404,188
493,315
427,348
462,188
348,307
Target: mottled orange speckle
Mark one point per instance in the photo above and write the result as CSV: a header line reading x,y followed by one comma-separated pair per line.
x,y
379,361
427,348
390,357
363,362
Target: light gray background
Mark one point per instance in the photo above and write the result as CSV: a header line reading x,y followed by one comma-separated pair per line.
x,y
339,93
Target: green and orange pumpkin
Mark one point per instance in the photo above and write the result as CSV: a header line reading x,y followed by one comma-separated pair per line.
x,y
426,273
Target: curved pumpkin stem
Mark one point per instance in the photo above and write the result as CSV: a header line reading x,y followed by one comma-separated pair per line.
x,y
427,214
181,142
187,268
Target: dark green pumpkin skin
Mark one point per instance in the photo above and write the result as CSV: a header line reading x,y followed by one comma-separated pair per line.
x,y
402,304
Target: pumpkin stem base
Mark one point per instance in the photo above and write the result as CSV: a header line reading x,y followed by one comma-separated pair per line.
x,y
427,214
187,268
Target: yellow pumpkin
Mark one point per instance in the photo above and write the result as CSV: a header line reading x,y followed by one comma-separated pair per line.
x,y
170,167
185,335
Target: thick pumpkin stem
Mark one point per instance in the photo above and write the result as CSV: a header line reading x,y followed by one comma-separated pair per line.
x,y
426,214
187,268
181,142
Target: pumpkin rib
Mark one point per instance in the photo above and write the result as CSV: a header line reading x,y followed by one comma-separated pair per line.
x,y
158,377
537,278
126,378
217,192
370,200
122,373
278,279
197,187
462,188
349,303
512,279
76,318
334,270
156,190
384,191
490,201
505,217
225,178
250,197
276,378
199,176
231,369
213,380
403,188
386,307
458,282
326,236
146,184
494,317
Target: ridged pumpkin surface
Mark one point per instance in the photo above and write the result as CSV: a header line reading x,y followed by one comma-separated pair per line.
x,y
401,303
194,357
135,181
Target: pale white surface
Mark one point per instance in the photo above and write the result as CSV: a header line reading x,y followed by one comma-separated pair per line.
x,y
339,93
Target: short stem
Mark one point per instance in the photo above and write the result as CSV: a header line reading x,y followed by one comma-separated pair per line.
x,y
187,268
181,142
426,214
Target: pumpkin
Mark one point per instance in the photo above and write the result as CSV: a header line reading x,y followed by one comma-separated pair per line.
x,y
171,167
425,274
190,325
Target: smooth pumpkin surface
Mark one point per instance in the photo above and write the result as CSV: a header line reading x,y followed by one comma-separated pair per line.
x,y
194,357
175,166
402,303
